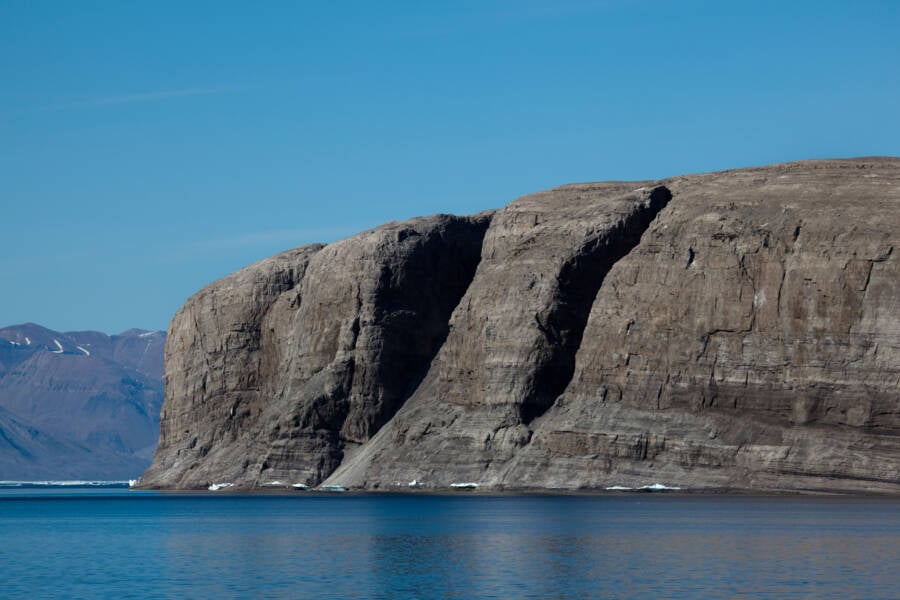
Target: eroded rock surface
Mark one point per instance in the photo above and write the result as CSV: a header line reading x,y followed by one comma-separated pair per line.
x,y
752,340
738,329
275,372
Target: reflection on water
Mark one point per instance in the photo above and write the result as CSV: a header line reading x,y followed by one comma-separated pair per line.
x,y
152,545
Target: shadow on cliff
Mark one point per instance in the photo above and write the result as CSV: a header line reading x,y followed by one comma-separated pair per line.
x,y
580,280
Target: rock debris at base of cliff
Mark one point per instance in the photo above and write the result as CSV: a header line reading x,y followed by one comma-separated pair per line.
x,y
730,330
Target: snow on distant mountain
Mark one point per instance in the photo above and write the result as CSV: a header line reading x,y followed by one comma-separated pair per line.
x,y
80,405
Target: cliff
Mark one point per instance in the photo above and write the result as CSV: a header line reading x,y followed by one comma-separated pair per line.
x,y
735,330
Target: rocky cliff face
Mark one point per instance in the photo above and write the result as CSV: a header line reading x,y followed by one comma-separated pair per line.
x,y
281,370
729,330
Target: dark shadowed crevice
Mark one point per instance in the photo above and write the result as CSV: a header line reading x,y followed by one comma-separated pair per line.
x,y
579,282
415,309
398,324
413,301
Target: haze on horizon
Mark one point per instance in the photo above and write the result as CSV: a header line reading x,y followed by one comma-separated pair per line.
x,y
150,149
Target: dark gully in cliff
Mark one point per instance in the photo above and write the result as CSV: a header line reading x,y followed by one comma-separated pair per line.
x,y
731,330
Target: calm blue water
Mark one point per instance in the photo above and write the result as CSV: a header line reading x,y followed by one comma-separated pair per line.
x,y
115,543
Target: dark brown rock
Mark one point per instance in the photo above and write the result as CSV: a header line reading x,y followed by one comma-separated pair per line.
x,y
279,380
729,330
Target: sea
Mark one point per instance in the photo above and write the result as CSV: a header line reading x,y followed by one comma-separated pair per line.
x,y
107,541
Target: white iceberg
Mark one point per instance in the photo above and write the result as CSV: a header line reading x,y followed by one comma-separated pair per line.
x,y
658,487
219,486
333,488
468,485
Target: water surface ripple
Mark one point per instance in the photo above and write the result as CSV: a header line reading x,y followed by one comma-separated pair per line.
x,y
109,543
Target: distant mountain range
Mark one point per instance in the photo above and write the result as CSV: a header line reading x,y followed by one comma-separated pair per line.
x,y
78,405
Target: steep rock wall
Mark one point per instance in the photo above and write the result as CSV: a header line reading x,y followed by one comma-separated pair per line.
x,y
326,344
728,330
513,337
751,341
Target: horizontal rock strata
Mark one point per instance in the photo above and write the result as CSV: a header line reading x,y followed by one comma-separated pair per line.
x,y
738,329
277,371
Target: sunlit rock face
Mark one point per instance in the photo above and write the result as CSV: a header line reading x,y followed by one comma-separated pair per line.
x,y
278,371
738,329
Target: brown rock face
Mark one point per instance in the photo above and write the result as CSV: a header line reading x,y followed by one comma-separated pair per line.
x,y
278,370
737,329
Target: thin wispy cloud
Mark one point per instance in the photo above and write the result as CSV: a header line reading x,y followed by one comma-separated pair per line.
x,y
269,242
295,237
251,243
151,96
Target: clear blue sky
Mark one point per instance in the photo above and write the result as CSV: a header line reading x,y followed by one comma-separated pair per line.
x,y
149,148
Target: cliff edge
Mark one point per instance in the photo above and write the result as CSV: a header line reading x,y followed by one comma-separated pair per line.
x,y
730,330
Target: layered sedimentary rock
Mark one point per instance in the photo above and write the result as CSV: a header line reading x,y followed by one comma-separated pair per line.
x,y
738,329
278,371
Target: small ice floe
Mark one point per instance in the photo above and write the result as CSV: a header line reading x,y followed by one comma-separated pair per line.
x,y
658,487
14,343
58,345
86,353
333,488
467,485
219,486
618,488
413,483
27,341
299,486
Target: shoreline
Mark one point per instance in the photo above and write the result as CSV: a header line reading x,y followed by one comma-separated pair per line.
x,y
522,492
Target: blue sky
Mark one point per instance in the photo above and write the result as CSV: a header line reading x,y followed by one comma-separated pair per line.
x,y
149,148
